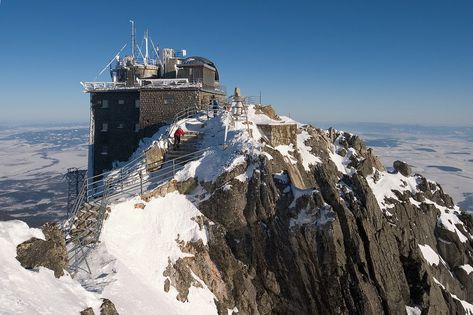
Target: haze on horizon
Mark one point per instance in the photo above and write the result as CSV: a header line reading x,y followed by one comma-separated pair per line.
x,y
338,61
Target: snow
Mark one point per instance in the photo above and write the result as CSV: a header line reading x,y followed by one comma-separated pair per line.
x,y
142,242
387,183
304,150
286,151
319,217
36,291
449,219
430,255
468,268
413,310
342,162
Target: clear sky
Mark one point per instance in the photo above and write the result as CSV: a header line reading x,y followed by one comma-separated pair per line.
x,y
398,61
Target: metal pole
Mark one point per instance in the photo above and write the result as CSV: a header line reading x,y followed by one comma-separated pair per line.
x,y
173,168
132,38
121,178
141,183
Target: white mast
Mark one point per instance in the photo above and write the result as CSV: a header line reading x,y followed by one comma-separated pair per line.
x,y
146,46
132,38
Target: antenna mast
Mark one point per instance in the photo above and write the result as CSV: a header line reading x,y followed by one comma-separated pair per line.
x,y
132,38
146,45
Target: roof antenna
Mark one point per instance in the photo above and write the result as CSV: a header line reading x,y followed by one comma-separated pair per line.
x,y
146,45
132,38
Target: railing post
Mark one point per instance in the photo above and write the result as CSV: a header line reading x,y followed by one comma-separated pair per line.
x,y
173,168
141,182
121,178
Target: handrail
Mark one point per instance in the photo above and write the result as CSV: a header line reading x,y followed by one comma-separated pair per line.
x,y
93,185
109,186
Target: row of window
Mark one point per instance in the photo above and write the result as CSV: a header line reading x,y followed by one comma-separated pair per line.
x,y
168,100
119,126
105,103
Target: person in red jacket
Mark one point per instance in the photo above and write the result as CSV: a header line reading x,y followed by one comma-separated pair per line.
x,y
177,137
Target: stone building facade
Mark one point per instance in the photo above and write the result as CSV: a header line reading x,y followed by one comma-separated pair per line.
x,y
121,118
137,103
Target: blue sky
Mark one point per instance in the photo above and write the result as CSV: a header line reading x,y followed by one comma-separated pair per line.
x,y
336,61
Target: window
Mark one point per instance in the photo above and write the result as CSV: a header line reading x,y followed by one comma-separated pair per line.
x,y
137,127
121,102
137,103
104,103
121,125
168,100
104,150
104,127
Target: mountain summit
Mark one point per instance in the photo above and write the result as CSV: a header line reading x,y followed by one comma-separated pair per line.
x,y
271,217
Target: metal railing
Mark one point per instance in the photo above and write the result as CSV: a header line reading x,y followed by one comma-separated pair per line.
x,y
100,190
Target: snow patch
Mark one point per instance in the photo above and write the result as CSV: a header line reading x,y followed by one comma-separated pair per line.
x,y
143,242
430,255
304,151
36,291
387,183
413,310
468,268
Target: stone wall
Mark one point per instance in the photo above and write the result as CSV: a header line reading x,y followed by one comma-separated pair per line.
x,y
159,107
280,134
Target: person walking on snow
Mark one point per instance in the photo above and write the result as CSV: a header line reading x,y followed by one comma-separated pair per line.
x,y
215,105
177,137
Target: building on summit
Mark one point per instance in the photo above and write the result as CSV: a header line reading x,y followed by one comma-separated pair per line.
x,y
145,93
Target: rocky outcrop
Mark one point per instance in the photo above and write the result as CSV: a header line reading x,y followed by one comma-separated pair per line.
x,y
87,311
50,253
267,110
402,167
108,308
330,248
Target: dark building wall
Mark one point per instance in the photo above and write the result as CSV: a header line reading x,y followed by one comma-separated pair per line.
x,y
116,117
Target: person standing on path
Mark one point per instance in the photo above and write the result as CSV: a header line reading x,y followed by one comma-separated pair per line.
x,y
177,137
215,105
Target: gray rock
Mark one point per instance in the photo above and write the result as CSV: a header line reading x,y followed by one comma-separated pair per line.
x,y
342,152
402,167
50,253
87,311
108,308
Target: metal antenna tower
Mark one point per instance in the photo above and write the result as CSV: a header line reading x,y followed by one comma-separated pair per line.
x,y
133,38
75,178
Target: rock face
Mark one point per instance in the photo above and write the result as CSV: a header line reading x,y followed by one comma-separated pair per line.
x,y
335,248
402,167
108,308
50,253
87,311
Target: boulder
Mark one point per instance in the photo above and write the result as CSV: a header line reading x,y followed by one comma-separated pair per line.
x,y
267,110
402,167
50,253
87,311
108,308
